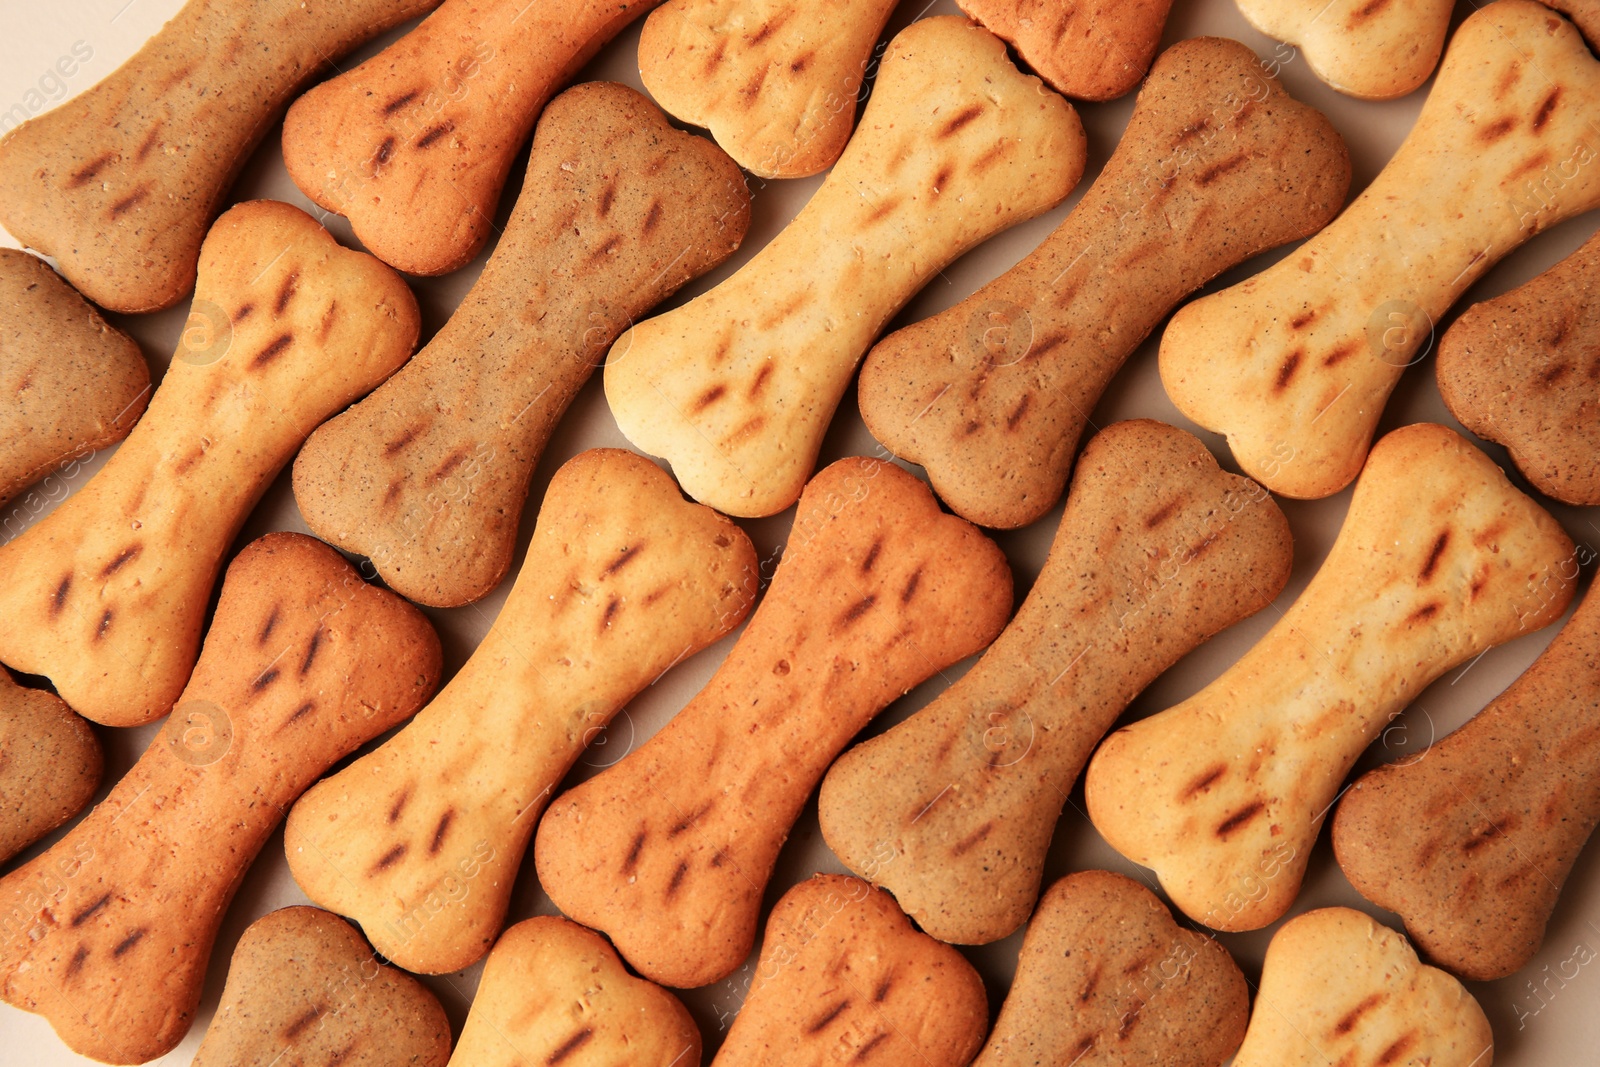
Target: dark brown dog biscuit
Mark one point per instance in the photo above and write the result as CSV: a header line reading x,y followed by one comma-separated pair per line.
x,y
50,764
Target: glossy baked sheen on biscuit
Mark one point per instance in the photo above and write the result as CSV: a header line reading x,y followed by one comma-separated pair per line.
x,y
1087,49
120,183
1375,51
428,476
50,764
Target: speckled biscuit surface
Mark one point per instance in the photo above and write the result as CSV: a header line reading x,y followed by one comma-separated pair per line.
x,y
668,851
414,145
991,395
1224,795
421,841
1523,369
428,476
1158,550
120,183
1140,989
1375,51
844,977
1471,843
109,592
303,988
107,934
71,383
1094,50
50,764
555,993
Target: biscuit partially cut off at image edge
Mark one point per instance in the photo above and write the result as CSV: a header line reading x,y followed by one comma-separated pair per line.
x,y
1088,50
1374,51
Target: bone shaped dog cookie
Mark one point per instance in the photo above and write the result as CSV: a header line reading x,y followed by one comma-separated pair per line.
x,y
557,994
107,595
107,933
1295,364
1375,51
1157,551
421,841
428,476
1141,989
775,81
737,387
1094,50
414,145
668,851
304,988
1523,369
1223,795
990,396
844,977
1338,987
119,184
1471,843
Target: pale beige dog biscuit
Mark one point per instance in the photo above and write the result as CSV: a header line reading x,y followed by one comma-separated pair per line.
x,y
737,387
109,592
1094,50
421,841
1295,364
1439,559
428,476
120,183
50,764
668,851
108,933
775,81
1373,50
1158,550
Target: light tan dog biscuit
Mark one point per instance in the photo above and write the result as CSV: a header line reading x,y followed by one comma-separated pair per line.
x,y
737,387
1218,163
72,384
1139,988
428,476
1375,51
1157,551
414,145
1523,370
50,764
120,183
844,977
107,934
1223,795
1471,843
1339,987
1295,364
108,594
669,850
304,988
775,81
624,578
1093,51
555,993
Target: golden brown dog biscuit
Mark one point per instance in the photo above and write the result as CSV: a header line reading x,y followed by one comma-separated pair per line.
x,y
669,850
1375,51
1586,13
1338,987
107,934
1158,550
1295,364
71,383
1093,51
1140,988
50,764
1523,370
555,993
990,396
1471,842
421,841
304,988
844,977
108,594
414,145
429,475
120,183
737,387
775,81
1223,795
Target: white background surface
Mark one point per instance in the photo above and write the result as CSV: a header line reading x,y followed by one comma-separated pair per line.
x,y
1556,1025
